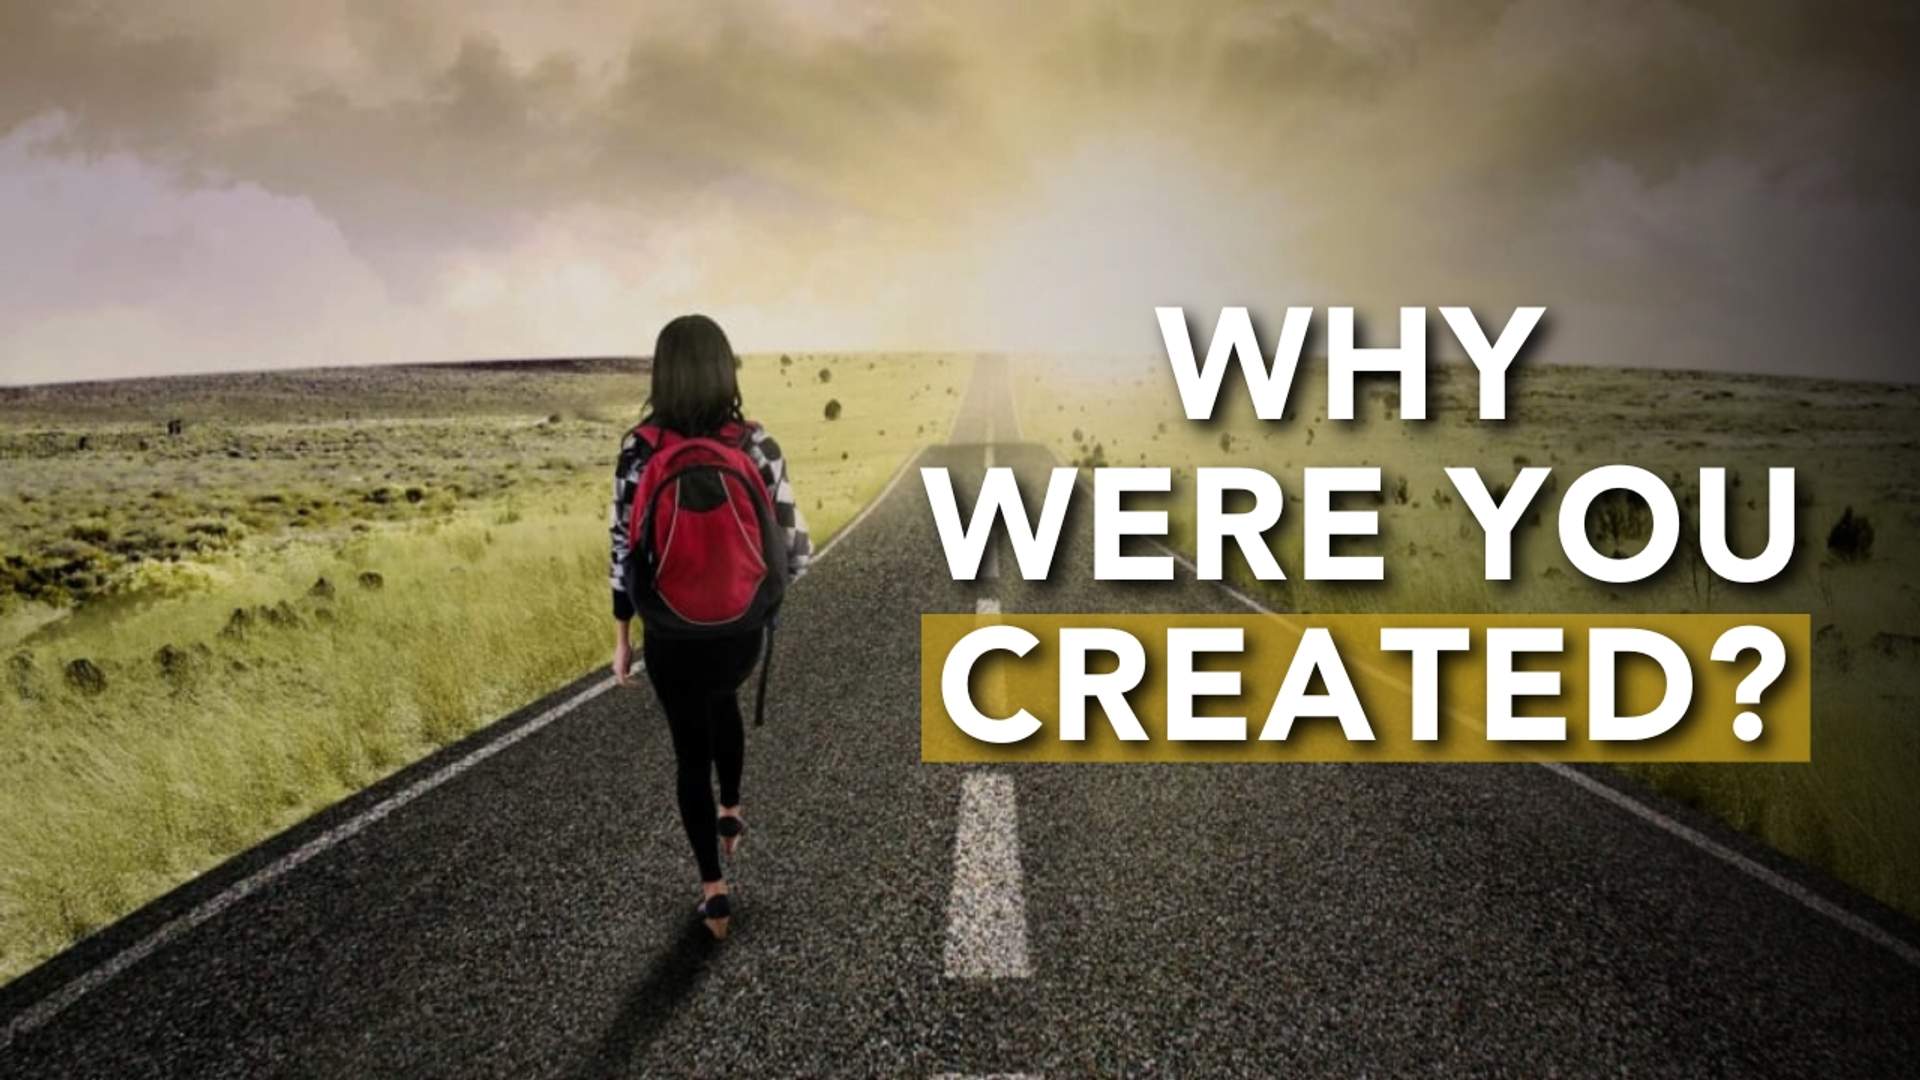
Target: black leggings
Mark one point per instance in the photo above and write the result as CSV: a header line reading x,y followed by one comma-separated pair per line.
x,y
697,681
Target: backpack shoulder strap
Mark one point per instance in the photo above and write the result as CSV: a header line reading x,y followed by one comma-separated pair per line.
x,y
766,664
736,433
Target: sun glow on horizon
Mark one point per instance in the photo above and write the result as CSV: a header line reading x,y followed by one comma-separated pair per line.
x,y
1113,226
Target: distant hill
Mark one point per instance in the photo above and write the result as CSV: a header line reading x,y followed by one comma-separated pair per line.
x,y
568,365
478,387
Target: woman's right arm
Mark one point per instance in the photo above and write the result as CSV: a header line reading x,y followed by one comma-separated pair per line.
x,y
625,476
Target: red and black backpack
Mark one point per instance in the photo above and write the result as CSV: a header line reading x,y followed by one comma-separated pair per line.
x,y
708,557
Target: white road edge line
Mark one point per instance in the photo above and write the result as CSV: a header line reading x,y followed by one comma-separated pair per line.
x,y
904,467
1774,880
48,1007
54,1003
987,911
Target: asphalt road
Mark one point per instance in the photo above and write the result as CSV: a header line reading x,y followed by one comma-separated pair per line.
x,y
530,915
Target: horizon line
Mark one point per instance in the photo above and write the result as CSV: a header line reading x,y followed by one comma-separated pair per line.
x,y
1437,359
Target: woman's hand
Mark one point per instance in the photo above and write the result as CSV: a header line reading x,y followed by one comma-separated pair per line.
x,y
622,655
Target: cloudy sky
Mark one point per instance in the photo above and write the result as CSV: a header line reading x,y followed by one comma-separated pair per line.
x,y
234,184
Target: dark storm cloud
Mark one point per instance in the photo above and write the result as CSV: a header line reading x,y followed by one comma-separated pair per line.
x,y
1741,156
743,101
1242,58
479,147
1513,95
1793,86
465,151
116,86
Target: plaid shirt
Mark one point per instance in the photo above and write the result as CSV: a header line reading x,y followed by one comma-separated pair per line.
x,y
765,454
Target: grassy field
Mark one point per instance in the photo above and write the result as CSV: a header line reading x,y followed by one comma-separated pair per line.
x,y
317,578
1856,448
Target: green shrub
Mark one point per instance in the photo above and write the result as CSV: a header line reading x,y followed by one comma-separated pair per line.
x,y
1851,539
92,531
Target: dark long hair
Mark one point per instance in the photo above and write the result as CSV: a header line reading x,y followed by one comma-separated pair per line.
x,y
695,388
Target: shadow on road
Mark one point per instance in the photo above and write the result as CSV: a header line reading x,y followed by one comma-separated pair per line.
x,y
652,1001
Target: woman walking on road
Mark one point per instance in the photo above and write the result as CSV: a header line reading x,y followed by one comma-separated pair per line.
x,y
706,535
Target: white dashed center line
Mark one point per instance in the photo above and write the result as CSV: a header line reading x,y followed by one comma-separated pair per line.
x,y
987,914
990,564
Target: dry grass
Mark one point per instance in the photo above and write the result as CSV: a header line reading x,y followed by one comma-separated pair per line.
x,y
206,731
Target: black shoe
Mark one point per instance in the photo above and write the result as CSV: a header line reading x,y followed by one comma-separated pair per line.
x,y
732,831
716,911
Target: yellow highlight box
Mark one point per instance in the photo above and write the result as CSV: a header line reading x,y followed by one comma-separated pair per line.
x,y
1001,683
